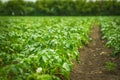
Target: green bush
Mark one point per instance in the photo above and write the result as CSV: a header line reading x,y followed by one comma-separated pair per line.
x,y
60,7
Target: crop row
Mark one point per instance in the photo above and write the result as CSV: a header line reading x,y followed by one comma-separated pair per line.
x,y
110,27
43,46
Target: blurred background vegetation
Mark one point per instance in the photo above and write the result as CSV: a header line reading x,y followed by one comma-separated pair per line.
x,y
59,8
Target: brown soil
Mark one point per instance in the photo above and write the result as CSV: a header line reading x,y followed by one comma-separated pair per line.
x,y
92,61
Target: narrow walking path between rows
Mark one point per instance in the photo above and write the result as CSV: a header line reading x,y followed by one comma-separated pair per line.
x,y
92,61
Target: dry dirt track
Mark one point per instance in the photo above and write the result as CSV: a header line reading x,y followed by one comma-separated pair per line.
x,y
92,61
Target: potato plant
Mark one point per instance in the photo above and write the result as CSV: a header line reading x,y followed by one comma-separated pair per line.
x,y
40,44
110,27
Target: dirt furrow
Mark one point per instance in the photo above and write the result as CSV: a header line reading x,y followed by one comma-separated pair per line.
x,y
92,61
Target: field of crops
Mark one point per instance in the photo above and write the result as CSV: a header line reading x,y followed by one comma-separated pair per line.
x,y
45,44
42,48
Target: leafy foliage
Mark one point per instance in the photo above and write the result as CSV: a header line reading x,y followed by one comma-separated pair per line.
x,y
45,44
110,66
110,27
60,7
42,77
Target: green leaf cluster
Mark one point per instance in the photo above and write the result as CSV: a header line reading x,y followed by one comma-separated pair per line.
x,y
110,27
27,43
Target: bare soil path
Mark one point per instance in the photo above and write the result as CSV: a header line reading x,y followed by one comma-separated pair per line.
x,y
92,61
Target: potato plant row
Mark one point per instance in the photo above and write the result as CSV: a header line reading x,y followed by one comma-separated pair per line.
x,y
41,48
110,27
